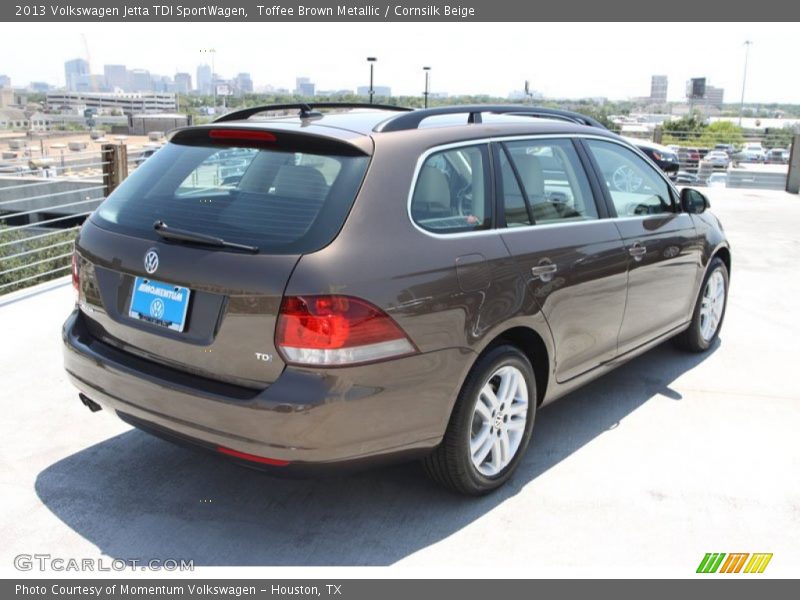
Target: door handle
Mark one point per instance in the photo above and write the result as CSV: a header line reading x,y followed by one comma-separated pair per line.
x,y
544,272
637,251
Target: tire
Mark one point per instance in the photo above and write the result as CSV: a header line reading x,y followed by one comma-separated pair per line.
x,y
452,464
697,337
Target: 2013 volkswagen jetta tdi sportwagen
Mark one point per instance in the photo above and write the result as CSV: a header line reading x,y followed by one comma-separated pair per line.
x,y
330,289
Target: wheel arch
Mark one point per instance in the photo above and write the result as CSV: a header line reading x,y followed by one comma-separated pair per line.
x,y
535,349
724,253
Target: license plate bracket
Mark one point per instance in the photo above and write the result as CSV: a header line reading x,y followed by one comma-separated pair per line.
x,y
159,303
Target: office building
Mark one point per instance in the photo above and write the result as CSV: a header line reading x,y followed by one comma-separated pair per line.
x,y
183,83
243,83
76,72
204,79
116,78
658,89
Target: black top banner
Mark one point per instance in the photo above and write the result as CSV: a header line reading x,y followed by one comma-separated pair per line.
x,y
352,10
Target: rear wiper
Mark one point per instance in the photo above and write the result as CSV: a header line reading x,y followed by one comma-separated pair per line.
x,y
184,235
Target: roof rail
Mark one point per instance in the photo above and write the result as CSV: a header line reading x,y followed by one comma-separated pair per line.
x,y
412,120
307,110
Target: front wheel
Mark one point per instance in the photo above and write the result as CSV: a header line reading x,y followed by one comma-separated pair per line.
x,y
709,310
491,424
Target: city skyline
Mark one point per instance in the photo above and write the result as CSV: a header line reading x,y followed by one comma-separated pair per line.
x,y
615,68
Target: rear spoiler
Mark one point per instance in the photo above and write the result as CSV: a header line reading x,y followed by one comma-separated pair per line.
x,y
285,137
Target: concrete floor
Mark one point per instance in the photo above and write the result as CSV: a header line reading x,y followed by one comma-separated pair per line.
x,y
643,471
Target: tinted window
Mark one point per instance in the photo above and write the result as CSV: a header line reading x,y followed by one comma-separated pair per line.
x,y
452,191
546,185
635,187
280,201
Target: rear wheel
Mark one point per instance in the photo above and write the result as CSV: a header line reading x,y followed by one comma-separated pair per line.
x,y
708,312
491,424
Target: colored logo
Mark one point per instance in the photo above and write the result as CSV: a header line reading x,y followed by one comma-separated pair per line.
x,y
157,308
736,562
151,261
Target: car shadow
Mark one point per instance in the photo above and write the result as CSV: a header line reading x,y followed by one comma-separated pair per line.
x,y
137,497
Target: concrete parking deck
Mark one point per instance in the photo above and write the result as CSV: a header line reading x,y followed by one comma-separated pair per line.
x,y
643,471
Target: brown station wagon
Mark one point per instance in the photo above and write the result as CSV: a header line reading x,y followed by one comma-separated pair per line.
x,y
375,283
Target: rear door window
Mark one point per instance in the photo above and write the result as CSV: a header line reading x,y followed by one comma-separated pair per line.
x,y
452,191
281,201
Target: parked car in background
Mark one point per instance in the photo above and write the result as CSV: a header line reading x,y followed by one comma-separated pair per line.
x,y
665,158
778,156
728,149
751,153
377,288
689,157
717,159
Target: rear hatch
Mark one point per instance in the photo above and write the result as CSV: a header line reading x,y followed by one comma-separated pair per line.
x,y
236,208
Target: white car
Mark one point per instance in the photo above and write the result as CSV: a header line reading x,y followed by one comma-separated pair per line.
x,y
718,159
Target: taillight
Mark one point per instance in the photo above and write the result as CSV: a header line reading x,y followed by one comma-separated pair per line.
x,y
76,277
337,330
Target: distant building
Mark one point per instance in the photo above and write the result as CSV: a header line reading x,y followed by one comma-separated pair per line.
x,y
243,83
162,83
714,96
6,97
380,90
116,77
140,80
183,83
39,87
658,89
5,81
204,79
13,118
75,72
128,103
304,87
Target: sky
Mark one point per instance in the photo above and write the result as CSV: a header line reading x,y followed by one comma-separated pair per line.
x,y
568,60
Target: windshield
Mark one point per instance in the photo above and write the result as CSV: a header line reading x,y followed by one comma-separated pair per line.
x,y
283,202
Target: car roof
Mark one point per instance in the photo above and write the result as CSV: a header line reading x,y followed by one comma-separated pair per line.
x,y
348,125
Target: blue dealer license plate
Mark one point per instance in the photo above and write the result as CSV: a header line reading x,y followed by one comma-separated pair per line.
x,y
163,304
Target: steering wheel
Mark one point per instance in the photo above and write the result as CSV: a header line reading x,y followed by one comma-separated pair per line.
x,y
625,179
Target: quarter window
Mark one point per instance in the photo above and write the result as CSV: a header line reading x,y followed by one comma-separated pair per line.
x,y
452,191
635,187
543,181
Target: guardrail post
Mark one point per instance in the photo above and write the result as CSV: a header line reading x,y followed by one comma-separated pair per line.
x,y
793,177
658,134
115,166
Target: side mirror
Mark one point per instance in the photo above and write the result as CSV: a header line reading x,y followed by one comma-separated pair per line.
x,y
693,202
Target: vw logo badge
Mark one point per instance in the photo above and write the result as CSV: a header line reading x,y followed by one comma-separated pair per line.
x,y
151,261
157,308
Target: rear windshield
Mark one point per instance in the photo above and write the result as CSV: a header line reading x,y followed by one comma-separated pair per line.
x,y
283,202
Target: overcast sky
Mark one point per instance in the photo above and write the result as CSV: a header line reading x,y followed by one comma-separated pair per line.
x,y
561,60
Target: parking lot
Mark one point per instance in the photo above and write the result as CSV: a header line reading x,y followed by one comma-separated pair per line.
x,y
642,471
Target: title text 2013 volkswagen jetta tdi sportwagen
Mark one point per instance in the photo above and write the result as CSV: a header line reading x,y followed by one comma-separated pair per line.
x,y
342,288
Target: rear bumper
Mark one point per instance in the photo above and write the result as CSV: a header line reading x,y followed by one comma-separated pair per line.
x,y
312,419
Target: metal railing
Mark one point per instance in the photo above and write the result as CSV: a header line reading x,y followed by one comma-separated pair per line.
x,y
43,202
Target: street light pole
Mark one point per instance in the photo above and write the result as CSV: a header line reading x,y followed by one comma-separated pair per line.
x,y
427,72
747,45
371,60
